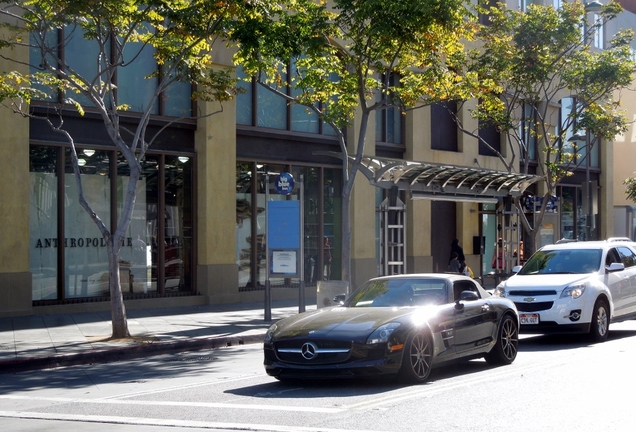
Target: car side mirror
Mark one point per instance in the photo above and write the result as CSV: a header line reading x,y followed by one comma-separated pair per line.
x,y
465,296
468,296
615,267
339,299
516,269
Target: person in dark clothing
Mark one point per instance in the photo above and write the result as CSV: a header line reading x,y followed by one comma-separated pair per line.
x,y
454,266
456,248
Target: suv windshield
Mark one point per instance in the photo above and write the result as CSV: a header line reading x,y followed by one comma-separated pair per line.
x,y
563,261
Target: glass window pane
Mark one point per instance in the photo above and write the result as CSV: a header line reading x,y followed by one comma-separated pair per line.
x,y
43,223
134,88
244,175
179,224
332,211
81,55
244,99
568,205
394,126
178,100
35,58
311,208
303,118
272,108
136,254
86,272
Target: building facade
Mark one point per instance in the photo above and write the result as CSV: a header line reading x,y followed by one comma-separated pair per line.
x,y
198,229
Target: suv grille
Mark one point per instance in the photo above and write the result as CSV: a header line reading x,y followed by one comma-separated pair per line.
x,y
533,307
531,293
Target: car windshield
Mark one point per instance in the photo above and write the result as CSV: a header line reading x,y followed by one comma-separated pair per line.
x,y
563,261
399,293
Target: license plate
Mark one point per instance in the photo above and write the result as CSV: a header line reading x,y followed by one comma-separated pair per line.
x,y
528,319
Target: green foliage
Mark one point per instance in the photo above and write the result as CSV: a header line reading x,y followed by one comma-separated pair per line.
x,y
181,34
537,58
344,56
630,189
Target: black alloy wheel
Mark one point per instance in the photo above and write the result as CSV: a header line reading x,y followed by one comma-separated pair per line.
x,y
417,358
505,350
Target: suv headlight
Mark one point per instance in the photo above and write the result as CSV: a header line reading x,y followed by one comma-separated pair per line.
x,y
574,291
382,333
500,291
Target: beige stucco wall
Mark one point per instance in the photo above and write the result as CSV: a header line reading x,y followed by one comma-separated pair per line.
x,y
15,278
624,148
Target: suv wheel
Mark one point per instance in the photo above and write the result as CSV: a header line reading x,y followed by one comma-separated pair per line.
x,y
600,321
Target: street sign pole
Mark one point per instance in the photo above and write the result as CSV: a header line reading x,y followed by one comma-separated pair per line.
x,y
301,288
268,292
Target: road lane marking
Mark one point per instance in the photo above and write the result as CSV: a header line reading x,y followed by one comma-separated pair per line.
x,y
168,422
323,410
431,389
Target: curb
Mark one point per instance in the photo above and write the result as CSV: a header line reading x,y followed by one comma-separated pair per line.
x,y
125,353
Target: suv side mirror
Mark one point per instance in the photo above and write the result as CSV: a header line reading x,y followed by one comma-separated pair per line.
x,y
615,267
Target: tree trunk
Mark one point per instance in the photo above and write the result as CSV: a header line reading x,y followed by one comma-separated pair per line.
x,y
118,308
346,235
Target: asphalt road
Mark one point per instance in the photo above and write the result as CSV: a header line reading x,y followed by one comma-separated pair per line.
x,y
556,384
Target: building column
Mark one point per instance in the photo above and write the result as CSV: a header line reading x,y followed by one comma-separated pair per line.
x,y
215,144
15,277
418,212
363,259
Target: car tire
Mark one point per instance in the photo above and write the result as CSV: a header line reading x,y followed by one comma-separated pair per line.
x,y
417,359
599,328
507,344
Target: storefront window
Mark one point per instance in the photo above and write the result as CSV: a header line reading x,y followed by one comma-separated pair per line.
x,y
43,222
321,219
155,258
85,254
138,257
332,211
178,223
568,212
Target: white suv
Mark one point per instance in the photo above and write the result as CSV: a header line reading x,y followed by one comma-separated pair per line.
x,y
577,287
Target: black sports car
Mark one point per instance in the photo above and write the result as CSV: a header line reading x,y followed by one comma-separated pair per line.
x,y
401,325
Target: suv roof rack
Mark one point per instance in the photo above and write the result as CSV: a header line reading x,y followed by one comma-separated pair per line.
x,y
564,240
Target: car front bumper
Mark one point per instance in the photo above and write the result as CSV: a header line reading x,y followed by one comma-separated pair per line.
x,y
385,365
556,315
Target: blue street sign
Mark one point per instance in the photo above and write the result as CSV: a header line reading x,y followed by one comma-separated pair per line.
x,y
284,183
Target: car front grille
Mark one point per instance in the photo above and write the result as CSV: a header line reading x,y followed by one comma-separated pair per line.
x,y
531,293
313,352
534,307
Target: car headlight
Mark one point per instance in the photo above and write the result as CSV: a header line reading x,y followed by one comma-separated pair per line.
x,y
500,291
382,333
270,333
574,291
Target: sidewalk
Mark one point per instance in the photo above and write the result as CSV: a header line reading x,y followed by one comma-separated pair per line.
x,y
47,341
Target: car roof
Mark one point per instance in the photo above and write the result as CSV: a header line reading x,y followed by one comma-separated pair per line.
x,y
448,276
596,244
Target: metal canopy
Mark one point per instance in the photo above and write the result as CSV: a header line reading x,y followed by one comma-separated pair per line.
x,y
444,182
